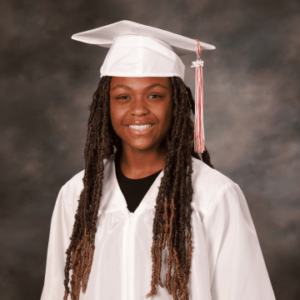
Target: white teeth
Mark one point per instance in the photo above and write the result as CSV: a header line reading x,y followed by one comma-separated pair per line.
x,y
140,127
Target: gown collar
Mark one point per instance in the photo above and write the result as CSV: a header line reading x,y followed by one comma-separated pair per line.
x,y
112,197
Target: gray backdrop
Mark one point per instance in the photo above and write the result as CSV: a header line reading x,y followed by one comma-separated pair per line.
x,y
252,111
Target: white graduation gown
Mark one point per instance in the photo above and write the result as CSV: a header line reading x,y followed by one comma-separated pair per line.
x,y
227,261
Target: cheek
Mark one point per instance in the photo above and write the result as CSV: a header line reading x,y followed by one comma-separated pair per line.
x,y
115,115
165,116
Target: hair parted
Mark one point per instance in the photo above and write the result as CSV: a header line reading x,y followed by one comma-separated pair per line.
x,y
172,220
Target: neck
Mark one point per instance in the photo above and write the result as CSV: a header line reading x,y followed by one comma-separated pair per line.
x,y
138,164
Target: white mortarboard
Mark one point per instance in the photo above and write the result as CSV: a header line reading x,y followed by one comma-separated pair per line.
x,y
137,50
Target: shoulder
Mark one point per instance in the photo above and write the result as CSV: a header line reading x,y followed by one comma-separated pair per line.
x,y
73,188
202,173
208,185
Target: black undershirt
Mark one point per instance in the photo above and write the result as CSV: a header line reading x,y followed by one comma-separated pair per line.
x,y
133,190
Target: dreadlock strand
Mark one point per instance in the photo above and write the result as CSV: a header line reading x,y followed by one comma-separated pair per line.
x,y
159,258
96,195
170,246
180,176
166,226
186,213
153,276
82,254
177,122
206,157
157,219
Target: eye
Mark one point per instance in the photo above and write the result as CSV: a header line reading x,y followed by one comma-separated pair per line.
x,y
122,97
153,96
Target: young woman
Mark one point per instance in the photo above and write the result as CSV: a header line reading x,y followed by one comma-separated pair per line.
x,y
149,217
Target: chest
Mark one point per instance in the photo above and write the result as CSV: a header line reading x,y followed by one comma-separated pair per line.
x,y
122,265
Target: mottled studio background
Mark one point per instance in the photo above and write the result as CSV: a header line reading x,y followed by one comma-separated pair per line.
x,y
252,112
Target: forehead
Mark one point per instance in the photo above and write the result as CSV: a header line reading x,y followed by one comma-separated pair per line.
x,y
140,82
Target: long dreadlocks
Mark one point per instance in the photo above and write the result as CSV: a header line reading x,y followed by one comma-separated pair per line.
x,y
173,203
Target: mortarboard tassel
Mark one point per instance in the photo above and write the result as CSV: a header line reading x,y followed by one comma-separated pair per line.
x,y
199,124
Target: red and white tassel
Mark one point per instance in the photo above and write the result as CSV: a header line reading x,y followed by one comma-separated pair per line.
x,y
199,101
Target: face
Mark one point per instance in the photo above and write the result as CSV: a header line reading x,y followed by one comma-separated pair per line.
x,y
141,111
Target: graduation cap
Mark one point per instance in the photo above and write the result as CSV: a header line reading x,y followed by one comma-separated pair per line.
x,y
137,50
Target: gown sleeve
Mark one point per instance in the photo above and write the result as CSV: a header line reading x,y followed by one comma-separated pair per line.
x,y
238,270
60,232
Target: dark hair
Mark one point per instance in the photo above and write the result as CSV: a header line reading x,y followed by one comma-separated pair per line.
x,y
173,203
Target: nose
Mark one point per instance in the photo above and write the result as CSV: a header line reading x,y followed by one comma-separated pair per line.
x,y
139,108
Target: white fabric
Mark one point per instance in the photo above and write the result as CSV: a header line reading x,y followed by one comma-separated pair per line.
x,y
141,56
105,35
227,262
138,50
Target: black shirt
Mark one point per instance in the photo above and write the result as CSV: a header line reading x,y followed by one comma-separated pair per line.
x,y
133,190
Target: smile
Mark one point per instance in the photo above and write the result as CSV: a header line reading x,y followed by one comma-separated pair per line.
x,y
140,129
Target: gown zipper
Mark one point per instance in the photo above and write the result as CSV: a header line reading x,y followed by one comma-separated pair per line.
x,y
127,259
130,258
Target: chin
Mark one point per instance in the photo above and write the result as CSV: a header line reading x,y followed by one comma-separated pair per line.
x,y
142,146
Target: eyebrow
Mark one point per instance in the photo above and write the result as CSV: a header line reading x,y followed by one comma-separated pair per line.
x,y
121,86
148,87
156,84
